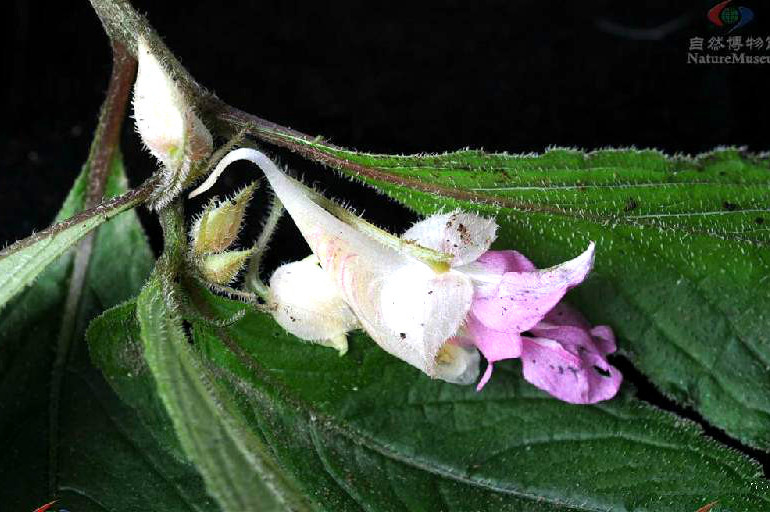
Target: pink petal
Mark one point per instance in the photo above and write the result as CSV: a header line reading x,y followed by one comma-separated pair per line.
x,y
582,378
604,339
485,378
494,345
565,315
500,262
522,299
577,340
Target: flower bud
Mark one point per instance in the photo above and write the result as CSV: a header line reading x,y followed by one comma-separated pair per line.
x,y
222,268
306,303
167,124
218,226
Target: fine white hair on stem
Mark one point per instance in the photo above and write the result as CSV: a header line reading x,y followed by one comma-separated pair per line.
x,y
260,247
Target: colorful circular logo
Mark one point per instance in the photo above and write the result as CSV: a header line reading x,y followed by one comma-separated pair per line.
x,y
725,15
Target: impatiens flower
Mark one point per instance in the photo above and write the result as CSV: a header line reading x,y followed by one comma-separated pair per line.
x,y
435,295
405,297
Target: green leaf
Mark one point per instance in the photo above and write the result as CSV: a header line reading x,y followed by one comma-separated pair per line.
x,y
116,349
682,260
66,434
238,470
22,262
368,432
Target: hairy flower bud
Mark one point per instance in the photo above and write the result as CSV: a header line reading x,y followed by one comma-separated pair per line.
x,y
167,124
218,226
222,268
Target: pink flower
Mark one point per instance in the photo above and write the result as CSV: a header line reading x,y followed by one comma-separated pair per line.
x,y
516,311
562,354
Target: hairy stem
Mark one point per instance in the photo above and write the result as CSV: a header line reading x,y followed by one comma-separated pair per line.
x,y
252,280
109,208
103,149
111,118
174,239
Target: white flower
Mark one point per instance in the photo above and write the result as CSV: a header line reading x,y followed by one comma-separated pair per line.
x,y
404,296
305,302
437,296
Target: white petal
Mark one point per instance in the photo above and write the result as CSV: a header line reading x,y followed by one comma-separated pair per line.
x,y
422,308
457,364
371,276
340,343
307,304
464,235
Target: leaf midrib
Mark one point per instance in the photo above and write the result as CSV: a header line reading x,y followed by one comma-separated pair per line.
x,y
599,221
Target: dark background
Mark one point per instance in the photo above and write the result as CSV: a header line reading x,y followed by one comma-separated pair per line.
x,y
514,76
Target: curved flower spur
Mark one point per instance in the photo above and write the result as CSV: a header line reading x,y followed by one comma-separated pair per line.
x,y
435,295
